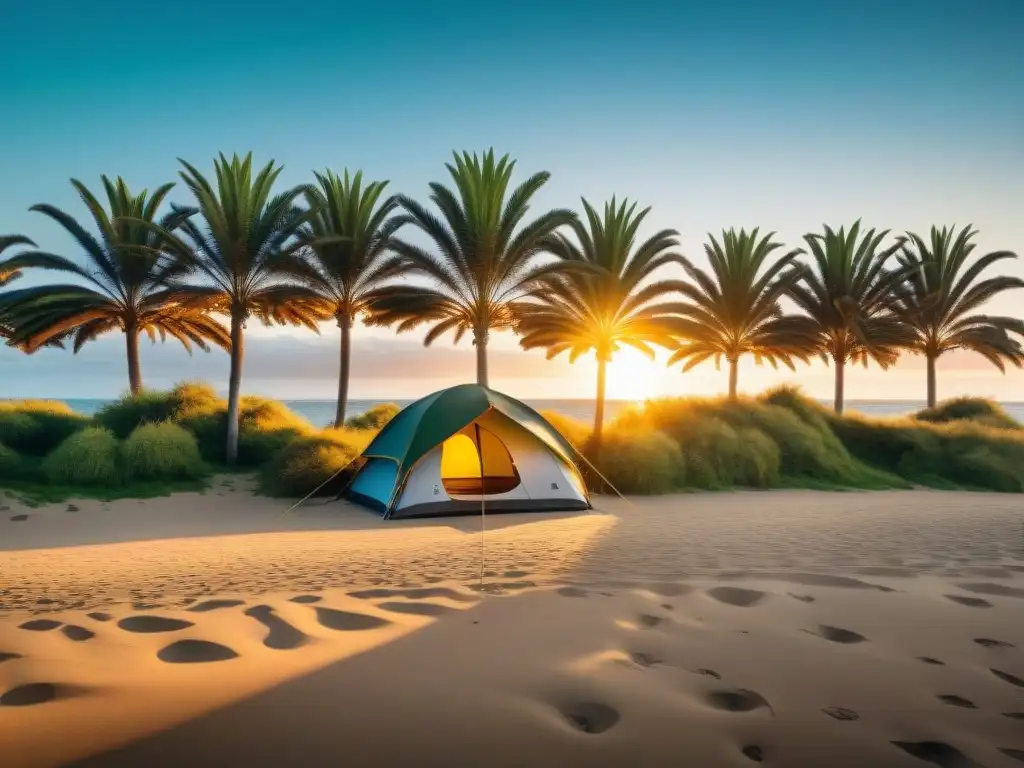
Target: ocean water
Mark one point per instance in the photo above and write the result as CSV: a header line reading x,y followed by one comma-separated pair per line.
x,y
321,412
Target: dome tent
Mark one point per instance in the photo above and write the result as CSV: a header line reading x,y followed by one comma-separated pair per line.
x,y
463,447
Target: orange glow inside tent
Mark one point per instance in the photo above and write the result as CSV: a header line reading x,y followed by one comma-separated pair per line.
x,y
460,464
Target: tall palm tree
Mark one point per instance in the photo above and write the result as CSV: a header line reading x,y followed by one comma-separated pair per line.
x,y
244,245
609,305
849,297
944,292
349,237
482,262
733,309
125,272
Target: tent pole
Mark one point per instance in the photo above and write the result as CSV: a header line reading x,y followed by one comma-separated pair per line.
x,y
483,493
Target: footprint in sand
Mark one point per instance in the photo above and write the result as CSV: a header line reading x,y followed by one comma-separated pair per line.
x,y
5,656
19,518
40,625
77,633
99,616
649,621
936,752
736,596
841,713
956,701
753,753
29,695
515,574
1007,677
571,592
839,635
930,660
343,621
281,635
998,590
1016,754
802,598
305,599
150,624
214,605
737,700
591,717
1014,715
988,642
195,652
970,602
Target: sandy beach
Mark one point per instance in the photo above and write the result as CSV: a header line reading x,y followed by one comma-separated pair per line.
x,y
785,628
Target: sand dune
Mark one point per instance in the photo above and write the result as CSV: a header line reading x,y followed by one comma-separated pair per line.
x,y
789,629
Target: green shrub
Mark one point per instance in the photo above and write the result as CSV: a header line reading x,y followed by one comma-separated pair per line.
x,y
10,464
976,409
124,415
759,460
37,427
265,426
375,418
710,450
573,430
357,439
162,451
88,457
637,462
306,463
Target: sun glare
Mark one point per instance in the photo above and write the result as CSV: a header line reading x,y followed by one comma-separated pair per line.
x,y
632,376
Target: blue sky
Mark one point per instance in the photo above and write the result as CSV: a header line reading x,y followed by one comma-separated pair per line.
x,y
784,115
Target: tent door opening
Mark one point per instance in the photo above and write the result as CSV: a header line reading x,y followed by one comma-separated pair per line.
x,y
460,464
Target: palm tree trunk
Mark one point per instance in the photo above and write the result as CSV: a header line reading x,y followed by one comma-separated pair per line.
x,y
602,367
234,388
345,323
131,336
932,387
840,384
734,377
480,340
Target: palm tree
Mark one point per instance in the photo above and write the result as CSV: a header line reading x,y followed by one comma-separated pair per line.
x,y
349,237
483,259
848,295
245,247
608,305
125,274
8,274
943,292
733,310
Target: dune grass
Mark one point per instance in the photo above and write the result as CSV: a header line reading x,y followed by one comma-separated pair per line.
x,y
375,418
308,464
165,441
161,451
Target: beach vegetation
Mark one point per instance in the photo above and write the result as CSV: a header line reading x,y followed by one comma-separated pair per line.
x,y
373,418
161,451
349,247
976,409
942,296
125,274
481,261
847,296
308,463
88,457
733,309
614,302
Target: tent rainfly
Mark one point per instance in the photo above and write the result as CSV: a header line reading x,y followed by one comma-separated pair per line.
x,y
464,447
